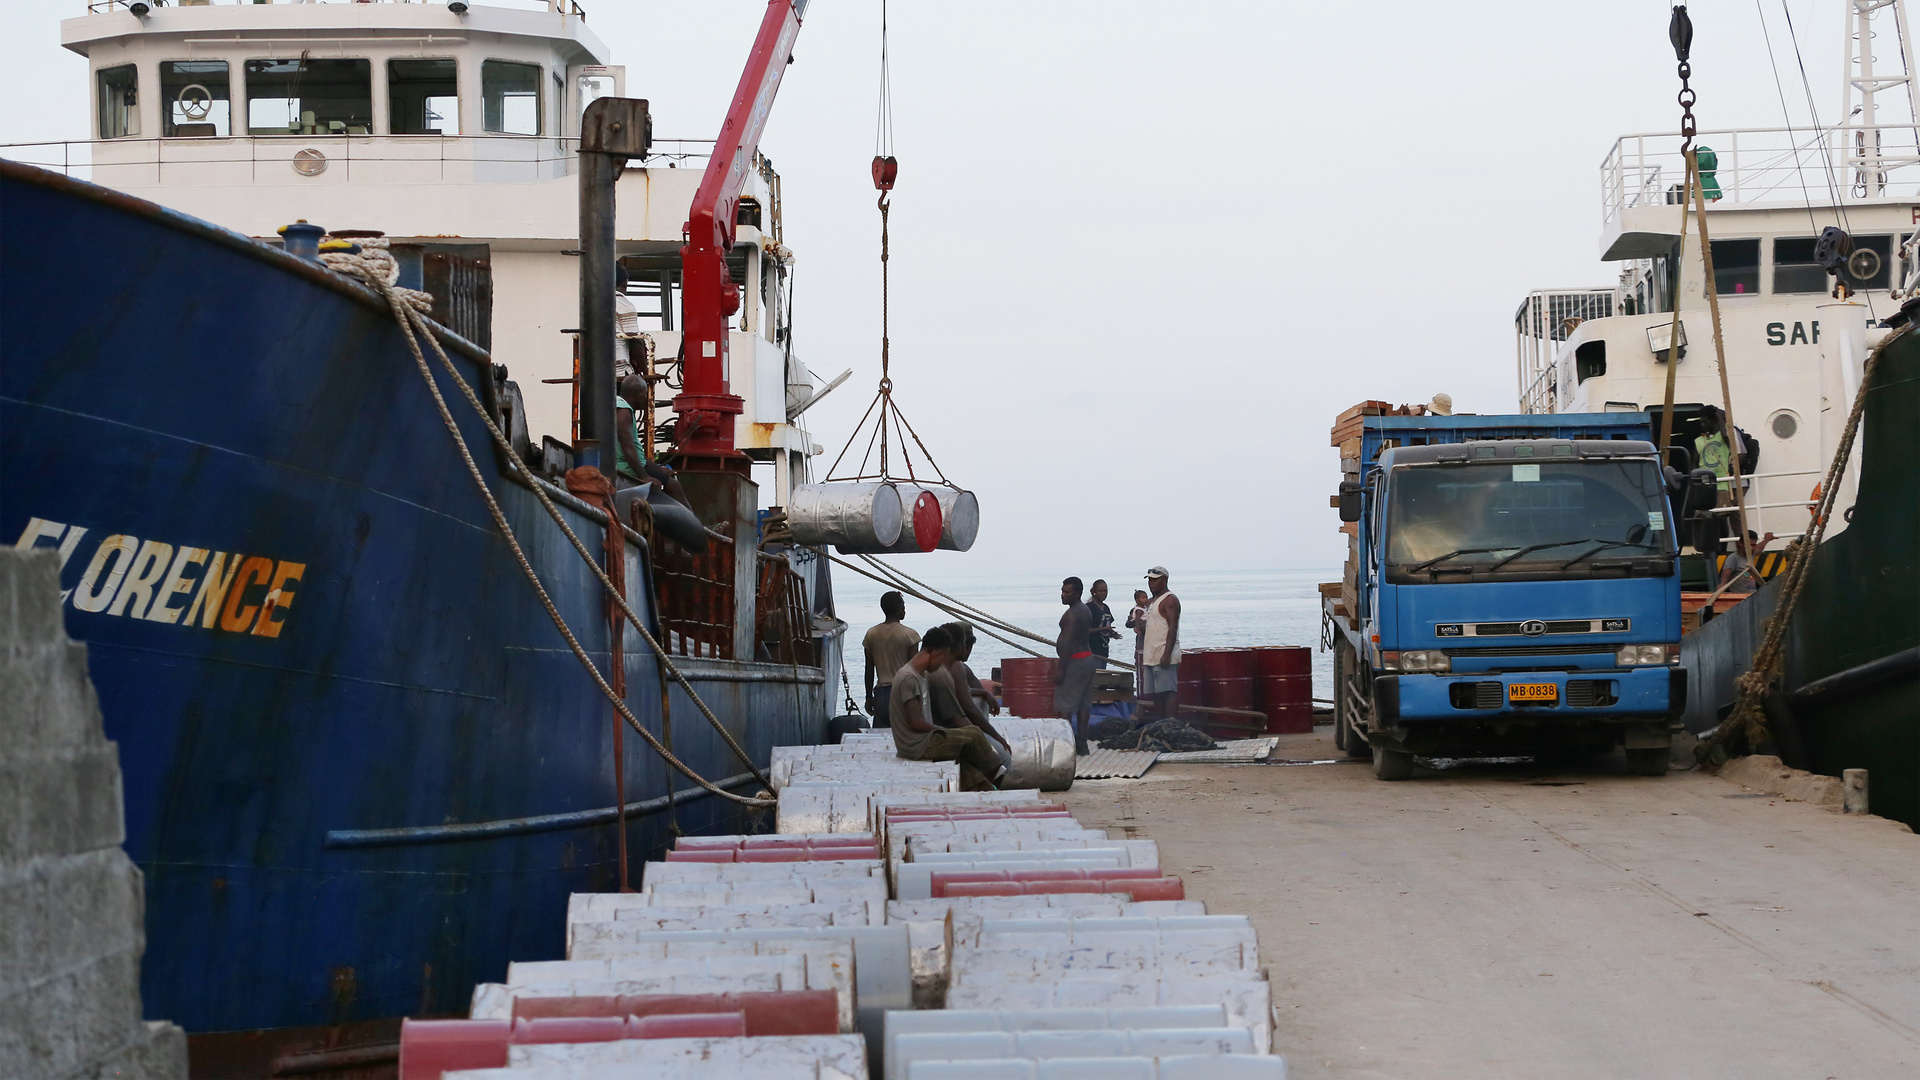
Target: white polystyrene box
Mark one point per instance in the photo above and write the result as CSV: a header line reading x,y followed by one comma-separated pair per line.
x,y
781,1057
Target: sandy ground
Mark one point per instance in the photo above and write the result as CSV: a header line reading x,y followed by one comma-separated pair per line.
x,y
1529,920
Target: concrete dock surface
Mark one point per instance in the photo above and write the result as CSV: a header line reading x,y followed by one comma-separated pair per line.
x,y
1541,919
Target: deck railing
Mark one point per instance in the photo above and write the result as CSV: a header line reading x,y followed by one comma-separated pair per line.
x,y
1816,166
558,7
1543,320
390,158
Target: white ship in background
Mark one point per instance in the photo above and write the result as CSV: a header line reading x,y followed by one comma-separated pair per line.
x,y
1793,351
445,125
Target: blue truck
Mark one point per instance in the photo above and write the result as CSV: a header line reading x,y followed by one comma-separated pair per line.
x,y
1511,588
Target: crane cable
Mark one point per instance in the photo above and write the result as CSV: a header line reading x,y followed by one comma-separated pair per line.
x,y
883,411
885,168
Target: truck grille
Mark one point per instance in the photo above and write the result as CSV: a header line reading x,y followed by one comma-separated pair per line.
x,y
1475,695
1512,629
1590,693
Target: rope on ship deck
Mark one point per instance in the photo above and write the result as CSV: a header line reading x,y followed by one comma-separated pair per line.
x,y
406,305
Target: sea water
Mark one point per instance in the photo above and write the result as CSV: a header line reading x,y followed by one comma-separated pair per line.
x,y
1218,609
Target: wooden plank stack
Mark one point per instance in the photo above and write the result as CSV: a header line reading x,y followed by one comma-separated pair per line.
x,y
1347,428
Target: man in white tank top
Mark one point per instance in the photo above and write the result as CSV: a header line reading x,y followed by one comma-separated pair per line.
x,y
1160,651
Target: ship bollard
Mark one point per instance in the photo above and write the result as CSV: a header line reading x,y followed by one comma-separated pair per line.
x,y
1853,791
302,239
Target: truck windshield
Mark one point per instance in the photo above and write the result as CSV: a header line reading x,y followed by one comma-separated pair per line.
x,y
1524,517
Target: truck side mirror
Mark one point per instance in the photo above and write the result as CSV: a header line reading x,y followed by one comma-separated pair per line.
x,y
1702,493
1350,500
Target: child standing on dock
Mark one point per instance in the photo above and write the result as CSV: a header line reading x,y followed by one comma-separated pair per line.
x,y
1101,637
1137,622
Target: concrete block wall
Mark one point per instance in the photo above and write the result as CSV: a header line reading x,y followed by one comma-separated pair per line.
x,y
71,905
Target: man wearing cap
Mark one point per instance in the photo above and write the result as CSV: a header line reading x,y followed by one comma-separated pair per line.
x,y
1160,651
1073,672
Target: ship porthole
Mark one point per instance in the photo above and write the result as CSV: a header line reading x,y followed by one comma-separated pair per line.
x,y
1784,424
309,162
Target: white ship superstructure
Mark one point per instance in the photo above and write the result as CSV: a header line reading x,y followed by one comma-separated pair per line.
x,y
1790,343
445,125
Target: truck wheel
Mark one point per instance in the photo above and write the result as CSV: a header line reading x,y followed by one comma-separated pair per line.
x,y
1392,764
1346,735
1649,762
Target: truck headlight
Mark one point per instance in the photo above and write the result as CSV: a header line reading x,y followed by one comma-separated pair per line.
x,y
1645,655
1415,660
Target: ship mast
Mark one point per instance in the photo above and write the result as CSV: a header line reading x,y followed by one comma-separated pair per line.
x,y
1860,130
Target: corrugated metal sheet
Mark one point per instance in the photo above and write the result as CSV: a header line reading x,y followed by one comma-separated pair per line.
x,y
1105,764
1232,750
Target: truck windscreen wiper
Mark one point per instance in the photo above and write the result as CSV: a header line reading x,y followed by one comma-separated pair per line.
x,y
1602,545
1451,554
1537,547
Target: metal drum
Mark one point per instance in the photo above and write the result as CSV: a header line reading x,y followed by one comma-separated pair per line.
x,y
1283,687
1193,685
856,518
959,518
1270,660
1042,754
1293,719
1229,676
1026,686
921,522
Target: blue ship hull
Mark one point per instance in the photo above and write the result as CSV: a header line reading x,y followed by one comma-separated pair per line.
x,y
181,404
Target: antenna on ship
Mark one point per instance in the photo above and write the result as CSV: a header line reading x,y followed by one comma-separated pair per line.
x,y
1862,136
856,511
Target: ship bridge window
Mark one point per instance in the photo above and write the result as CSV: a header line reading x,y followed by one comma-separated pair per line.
x,y
1590,359
510,97
309,97
1794,270
1736,266
119,102
194,95
423,97
593,87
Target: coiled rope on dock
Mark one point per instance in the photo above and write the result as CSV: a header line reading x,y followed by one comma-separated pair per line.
x,y
407,311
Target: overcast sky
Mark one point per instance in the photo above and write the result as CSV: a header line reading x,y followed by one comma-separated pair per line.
x,y
1144,252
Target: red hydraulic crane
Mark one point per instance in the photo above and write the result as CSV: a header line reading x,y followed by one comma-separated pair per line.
x,y
706,405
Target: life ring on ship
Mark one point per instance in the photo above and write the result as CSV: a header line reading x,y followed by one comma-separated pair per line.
x,y
197,107
1813,504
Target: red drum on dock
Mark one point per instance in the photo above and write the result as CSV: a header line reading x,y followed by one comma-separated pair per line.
x,y
1283,687
1283,690
1271,660
1193,686
1289,719
1229,676
1026,686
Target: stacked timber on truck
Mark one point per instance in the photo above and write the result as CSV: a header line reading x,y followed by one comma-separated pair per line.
x,y
1347,428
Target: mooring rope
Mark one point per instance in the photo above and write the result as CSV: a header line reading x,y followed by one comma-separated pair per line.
x,y
1751,688
406,310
